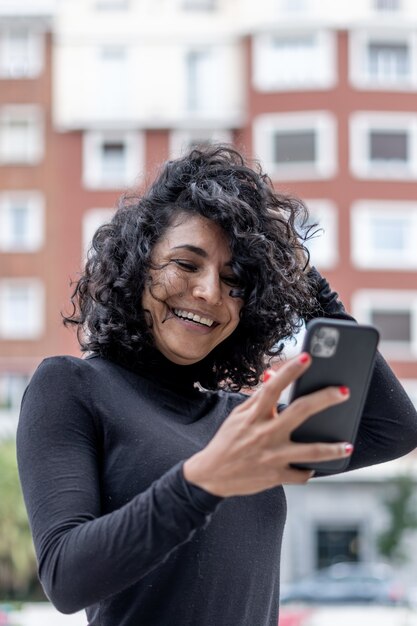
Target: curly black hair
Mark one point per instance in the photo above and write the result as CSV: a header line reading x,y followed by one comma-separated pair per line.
x,y
265,230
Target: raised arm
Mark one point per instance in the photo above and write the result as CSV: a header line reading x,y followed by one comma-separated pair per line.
x,y
388,426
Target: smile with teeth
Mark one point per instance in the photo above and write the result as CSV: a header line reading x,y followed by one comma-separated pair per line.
x,y
193,317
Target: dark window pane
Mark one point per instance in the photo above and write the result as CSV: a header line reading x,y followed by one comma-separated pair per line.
x,y
393,325
295,147
387,5
388,146
113,158
335,545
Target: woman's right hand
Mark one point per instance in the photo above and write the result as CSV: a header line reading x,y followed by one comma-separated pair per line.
x,y
252,450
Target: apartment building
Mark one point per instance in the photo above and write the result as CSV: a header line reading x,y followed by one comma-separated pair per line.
x,y
95,93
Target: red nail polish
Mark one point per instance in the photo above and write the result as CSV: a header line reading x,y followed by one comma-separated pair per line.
x,y
266,376
344,390
348,448
304,357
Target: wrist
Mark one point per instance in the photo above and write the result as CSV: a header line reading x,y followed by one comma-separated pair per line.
x,y
197,473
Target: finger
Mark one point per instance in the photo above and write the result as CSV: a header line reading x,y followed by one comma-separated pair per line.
x,y
310,404
295,476
317,452
266,398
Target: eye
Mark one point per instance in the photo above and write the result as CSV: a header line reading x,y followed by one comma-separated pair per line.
x,y
231,281
185,265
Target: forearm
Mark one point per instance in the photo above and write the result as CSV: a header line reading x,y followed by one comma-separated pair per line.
x,y
83,562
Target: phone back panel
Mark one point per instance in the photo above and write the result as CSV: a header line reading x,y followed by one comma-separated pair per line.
x,y
349,363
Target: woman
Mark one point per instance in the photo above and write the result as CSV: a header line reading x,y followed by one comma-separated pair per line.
x,y
135,459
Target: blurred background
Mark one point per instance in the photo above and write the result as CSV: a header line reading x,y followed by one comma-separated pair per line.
x,y
94,94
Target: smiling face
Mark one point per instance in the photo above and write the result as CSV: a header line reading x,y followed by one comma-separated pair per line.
x,y
190,298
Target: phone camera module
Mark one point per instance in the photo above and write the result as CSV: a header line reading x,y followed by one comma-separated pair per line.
x,y
324,342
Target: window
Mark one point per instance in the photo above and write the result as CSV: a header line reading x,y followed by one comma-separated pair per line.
x,y
21,221
21,308
114,155
298,60
384,145
323,246
12,386
335,545
387,5
388,145
112,5
21,134
394,326
200,76
389,62
199,5
383,61
296,145
112,78
92,219
384,235
295,6
21,53
183,140
394,313
112,160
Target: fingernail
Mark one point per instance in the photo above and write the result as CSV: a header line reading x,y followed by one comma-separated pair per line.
x,y
304,357
266,375
344,390
348,448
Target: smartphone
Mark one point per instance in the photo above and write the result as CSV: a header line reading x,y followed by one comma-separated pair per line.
x,y
343,353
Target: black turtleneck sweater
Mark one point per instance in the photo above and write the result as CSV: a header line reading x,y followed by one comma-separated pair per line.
x,y
117,528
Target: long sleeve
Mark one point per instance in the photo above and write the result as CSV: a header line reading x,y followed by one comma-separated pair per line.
x,y
84,555
388,427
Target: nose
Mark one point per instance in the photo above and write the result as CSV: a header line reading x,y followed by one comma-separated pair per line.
x,y
208,287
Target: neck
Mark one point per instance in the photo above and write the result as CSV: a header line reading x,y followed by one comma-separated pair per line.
x,y
182,378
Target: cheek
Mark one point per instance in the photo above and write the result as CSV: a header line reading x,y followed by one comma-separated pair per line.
x,y
166,282
236,308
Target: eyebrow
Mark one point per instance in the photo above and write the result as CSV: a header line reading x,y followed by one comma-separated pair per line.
x,y
200,251
194,249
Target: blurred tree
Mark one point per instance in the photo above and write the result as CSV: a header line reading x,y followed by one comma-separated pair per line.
x,y
401,508
18,577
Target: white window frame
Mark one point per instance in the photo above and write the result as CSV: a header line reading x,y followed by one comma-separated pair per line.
x,y
92,219
34,238
322,122
362,253
359,75
324,76
93,141
325,213
36,321
365,301
361,124
35,58
180,139
35,147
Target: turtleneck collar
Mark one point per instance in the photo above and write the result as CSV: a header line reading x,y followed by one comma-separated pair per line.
x,y
156,367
